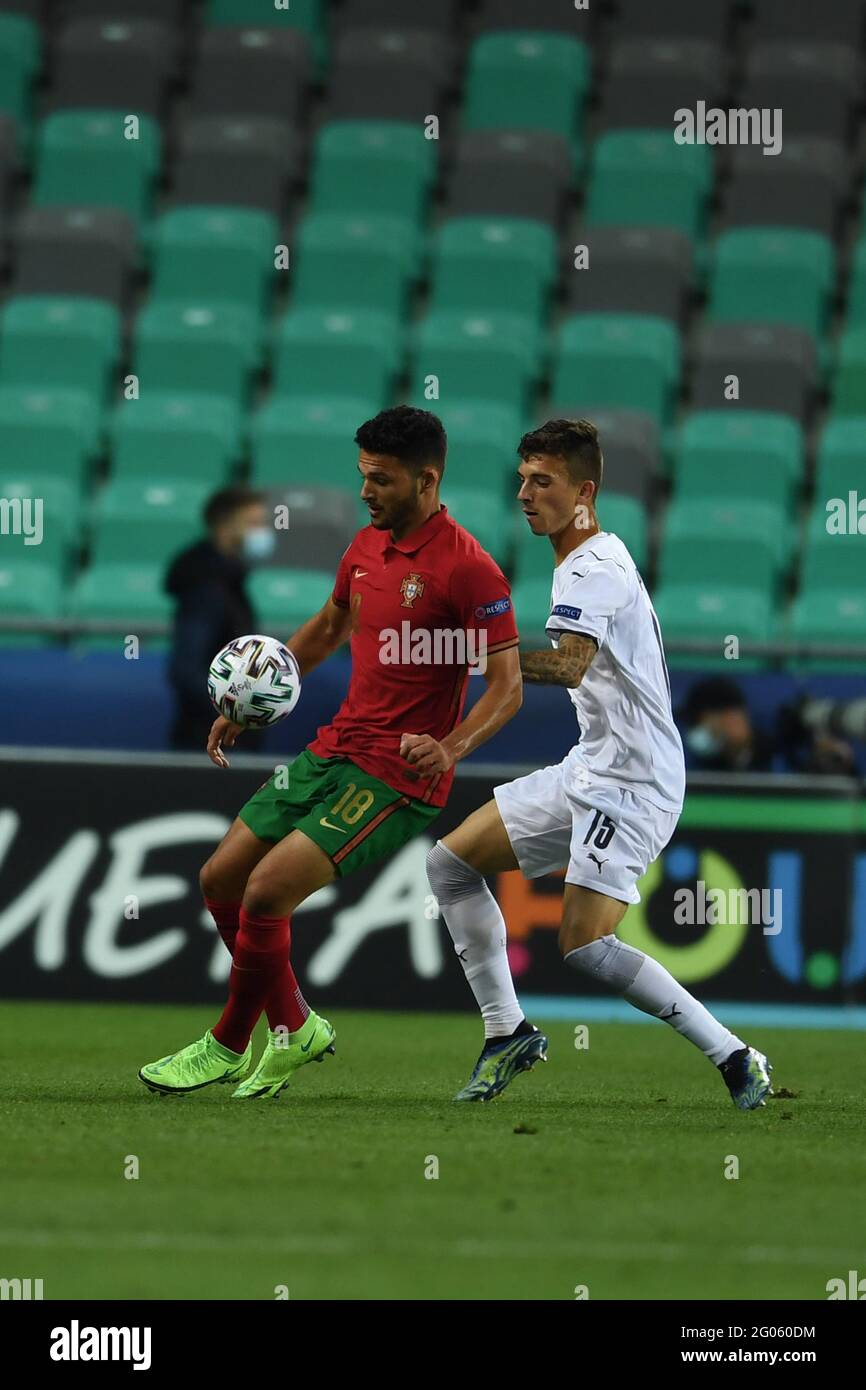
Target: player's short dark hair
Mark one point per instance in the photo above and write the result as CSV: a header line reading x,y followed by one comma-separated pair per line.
x,y
573,441
415,437
223,504
711,696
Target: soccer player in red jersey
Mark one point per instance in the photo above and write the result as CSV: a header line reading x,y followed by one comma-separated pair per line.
x,y
420,601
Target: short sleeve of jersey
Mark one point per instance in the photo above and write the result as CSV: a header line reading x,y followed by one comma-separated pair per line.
x,y
482,599
340,592
587,601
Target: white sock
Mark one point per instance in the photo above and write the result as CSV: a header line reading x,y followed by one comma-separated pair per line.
x,y
653,990
478,931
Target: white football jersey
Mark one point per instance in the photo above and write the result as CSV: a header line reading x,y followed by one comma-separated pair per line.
x,y
628,737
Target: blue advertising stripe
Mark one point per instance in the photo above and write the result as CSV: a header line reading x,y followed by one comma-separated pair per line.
x,y
540,1007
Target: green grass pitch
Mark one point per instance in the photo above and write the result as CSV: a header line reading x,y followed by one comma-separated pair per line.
x,y
605,1168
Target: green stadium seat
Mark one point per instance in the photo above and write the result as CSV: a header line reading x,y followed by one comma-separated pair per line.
x,y
61,496
533,555
834,616
736,521
48,431
19,64
147,522
646,178
59,341
483,263
626,518
196,437
750,452
123,592
84,157
491,356
308,440
708,610
527,81
384,168
60,512
840,465
769,275
182,346
482,443
483,514
316,350
531,599
849,381
284,599
626,360
354,262
832,561
223,254
711,560
29,588
856,308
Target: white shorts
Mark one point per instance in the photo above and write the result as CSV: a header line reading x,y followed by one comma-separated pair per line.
x,y
605,837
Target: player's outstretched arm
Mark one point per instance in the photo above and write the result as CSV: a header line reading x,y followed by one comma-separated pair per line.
x,y
319,636
499,703
566,666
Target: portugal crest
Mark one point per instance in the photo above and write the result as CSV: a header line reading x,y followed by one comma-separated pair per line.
x,y
411,588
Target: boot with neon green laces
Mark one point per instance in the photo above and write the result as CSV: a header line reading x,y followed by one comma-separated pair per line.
x,y
284,1054
200,1064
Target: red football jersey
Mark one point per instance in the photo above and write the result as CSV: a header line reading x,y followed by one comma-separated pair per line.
x,y
424,609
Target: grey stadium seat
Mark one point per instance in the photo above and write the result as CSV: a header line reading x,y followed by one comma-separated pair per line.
x,y
815,84
74,250
776,367
841,20
234,160
322,522
649,79
675,19
517,173
122,65
251,72
388,74
636,270
802,186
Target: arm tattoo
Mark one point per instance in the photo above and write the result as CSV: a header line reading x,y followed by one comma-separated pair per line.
x,y
566,666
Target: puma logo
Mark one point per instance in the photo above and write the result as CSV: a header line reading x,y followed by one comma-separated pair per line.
x,y
596,861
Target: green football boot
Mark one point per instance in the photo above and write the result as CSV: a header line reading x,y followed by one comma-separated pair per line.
x,y
500,1061
200,1064
284,1054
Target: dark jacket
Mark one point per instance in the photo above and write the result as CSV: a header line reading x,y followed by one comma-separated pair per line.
x,y
212,607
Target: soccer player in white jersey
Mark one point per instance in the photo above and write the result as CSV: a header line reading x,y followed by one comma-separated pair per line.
x,y
606,811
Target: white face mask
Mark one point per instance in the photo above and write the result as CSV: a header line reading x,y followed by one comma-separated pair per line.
x,y
259,543
703,742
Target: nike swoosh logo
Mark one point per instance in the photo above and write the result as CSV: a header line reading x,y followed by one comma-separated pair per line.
x,y
359,574
308,1046
327,823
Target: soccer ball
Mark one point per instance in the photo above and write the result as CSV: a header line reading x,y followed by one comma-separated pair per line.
x,y
254,681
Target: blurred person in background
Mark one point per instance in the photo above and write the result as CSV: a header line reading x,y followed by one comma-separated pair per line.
x,y
720,735
208,583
